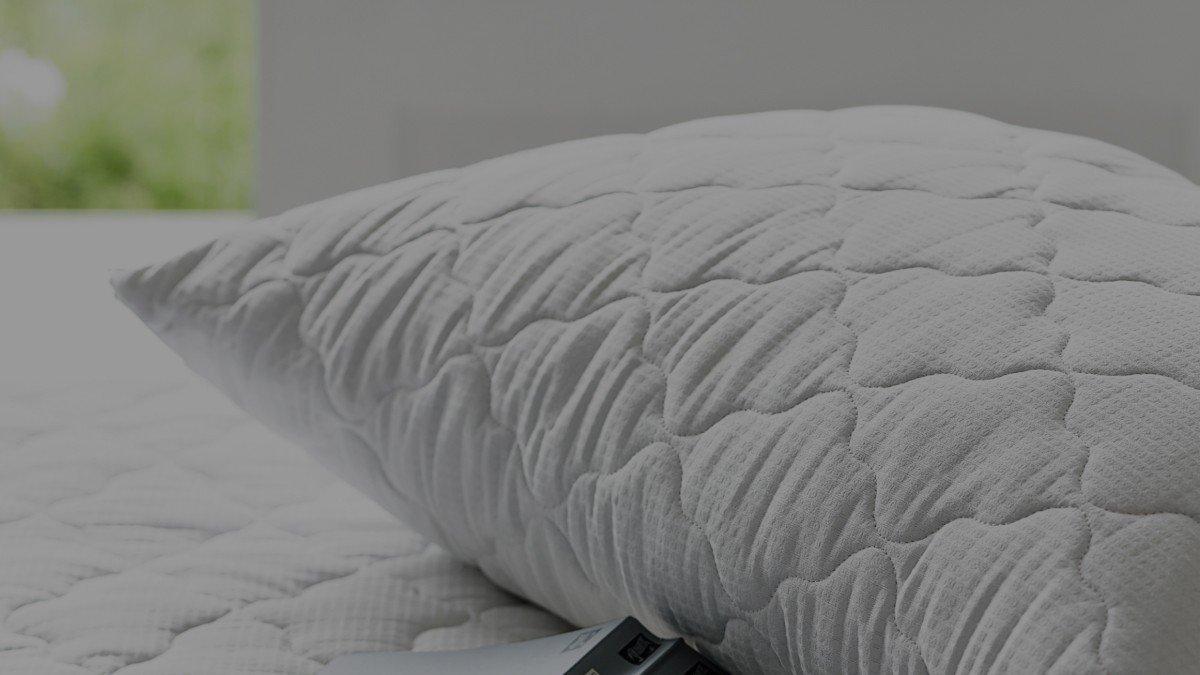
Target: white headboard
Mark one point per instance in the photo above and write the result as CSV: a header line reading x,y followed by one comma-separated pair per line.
x,y
357,92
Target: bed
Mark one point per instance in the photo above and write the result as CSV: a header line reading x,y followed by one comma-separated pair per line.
x,y
148,526
885,388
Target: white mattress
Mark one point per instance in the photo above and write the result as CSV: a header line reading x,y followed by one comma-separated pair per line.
x,y
151,527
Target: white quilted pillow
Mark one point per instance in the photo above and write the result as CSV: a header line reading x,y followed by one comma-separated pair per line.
x,y
878,389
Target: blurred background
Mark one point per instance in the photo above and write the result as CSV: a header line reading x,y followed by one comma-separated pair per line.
x,y
126,104
261,105
127,132
130,129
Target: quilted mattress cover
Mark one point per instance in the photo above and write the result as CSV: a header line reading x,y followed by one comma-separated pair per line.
x,y
154,528
876,389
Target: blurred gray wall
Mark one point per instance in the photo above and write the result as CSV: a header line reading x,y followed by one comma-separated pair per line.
x,y
357,92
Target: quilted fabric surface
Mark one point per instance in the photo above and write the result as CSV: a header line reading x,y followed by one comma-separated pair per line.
x,y
877,389
153,528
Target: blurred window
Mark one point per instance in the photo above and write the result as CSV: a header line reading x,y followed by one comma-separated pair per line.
x,y
126,104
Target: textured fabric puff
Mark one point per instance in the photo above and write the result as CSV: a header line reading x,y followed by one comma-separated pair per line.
x,y
877,389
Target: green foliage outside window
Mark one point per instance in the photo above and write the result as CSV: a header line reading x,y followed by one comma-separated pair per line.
x,y
126,104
